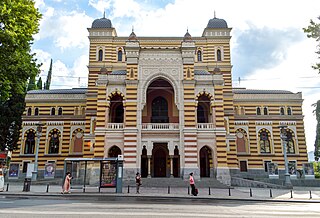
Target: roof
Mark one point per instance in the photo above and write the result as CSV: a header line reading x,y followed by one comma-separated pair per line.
x,y
119,72
201,72
101,23
59,91
217,23
257,91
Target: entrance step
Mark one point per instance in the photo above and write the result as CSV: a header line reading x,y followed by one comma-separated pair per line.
x,y
176,182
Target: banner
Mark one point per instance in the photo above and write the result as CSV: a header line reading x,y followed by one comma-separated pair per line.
x,y
49,170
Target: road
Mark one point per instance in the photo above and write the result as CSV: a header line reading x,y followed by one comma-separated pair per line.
x,y
134,207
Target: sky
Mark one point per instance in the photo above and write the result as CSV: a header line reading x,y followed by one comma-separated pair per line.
x,y
269,49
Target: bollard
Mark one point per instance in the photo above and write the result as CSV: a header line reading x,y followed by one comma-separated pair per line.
x,y
7,187
291,194
209,191
188,190
128,189
250,192
310,195
270,193
168,189
229,192
47,188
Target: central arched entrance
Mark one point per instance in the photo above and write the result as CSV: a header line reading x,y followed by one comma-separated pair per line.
x,y
160,154
205,161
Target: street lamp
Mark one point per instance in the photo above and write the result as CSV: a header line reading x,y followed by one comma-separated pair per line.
x,y
38,134
283,136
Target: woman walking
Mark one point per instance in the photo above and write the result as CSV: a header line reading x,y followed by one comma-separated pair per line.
x,y
193,188
66,184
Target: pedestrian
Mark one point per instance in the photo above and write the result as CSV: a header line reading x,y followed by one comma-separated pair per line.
x,y
66,183
138,182
193,187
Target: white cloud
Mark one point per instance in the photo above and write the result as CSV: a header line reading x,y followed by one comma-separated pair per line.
x,y
39,3
100,5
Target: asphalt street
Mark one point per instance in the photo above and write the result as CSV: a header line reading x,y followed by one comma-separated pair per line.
x,y
114,206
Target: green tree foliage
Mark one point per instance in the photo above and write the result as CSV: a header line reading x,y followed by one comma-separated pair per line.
x,y
32,83
19,21
39,83
48,82
317,141
313,31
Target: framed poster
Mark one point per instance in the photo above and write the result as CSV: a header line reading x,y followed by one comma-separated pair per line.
x,y
14,170
273,170
30,169
308,170
49,170
108,176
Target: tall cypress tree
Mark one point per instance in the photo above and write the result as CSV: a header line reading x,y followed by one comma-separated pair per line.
x,y
39,83
47,85
32,83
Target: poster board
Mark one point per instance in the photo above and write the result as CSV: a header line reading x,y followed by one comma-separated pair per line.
x,y
273,170
108,175
14,170
49,170
1,179
292,169
308,170
30,169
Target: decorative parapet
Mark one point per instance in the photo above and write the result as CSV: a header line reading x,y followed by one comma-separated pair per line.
x,y
30,123
241,123
74,123
160,126
288,123
263,122
55,123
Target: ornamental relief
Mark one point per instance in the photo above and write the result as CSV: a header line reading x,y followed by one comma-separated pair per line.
x,y
115,88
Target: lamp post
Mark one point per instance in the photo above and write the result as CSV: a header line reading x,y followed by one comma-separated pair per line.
x,y
283,136
38,134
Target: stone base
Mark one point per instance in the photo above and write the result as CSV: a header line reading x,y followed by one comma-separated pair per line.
x,y
223,176
130,173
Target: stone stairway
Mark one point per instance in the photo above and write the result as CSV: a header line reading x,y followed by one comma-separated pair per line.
x,y
177,182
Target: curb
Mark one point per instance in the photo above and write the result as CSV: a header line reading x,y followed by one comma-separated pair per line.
x,y
83,196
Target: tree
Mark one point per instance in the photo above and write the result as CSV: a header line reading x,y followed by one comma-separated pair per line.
x,y
313,31
39,83
317,141
19,21
48,82
32,83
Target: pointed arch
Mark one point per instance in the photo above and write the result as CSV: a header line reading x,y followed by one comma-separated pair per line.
x,y
120,55
264,141
30,141
114,151
54,141
206,162
77,141
242,141
199,55
218,55
100,55
290,141
114,93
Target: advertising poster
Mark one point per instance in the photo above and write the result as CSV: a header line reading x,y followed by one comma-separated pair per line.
x,y
49,170
308,170
14,170
108,174
292,168
273,170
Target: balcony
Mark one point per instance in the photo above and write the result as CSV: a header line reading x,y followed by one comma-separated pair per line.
x,y
115,126
205,126
160,126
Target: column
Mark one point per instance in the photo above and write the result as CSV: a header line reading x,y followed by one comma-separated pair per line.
x,y
171,164
149,166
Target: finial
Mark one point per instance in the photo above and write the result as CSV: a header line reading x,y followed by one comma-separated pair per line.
x,y
104,14
214,14
187,29
132,28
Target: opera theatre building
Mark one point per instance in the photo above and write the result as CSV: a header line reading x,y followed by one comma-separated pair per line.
x,y
168,106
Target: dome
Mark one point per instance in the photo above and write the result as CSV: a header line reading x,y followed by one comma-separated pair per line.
x,y
132,36
187,37
217,23
101,23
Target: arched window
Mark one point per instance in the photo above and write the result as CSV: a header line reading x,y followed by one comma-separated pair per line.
x,y
243,112
60,111
258,111
290,142
265,111
30,142
120,55
289,112
100,55
36,111
159,110
77,141
54,141
264,140
199,55
218,55
53,111
29,112
203,109
76,111
116,112
281,111
114,151
242,141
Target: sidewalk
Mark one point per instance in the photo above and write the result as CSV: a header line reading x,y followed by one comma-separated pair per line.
x,y
299,194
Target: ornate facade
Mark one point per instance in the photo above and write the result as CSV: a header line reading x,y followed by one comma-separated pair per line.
x,y
168,106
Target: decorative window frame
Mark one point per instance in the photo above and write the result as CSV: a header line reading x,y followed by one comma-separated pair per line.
x,y
49,128
258,107
216,54
91,124
284,112
265,107
293,129
55,111
72,129
23,138
123,57
289,108
269,128
199,49
98,48
246,130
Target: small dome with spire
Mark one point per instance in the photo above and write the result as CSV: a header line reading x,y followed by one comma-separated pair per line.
x,y
187,36
102,22
217,23
132,36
